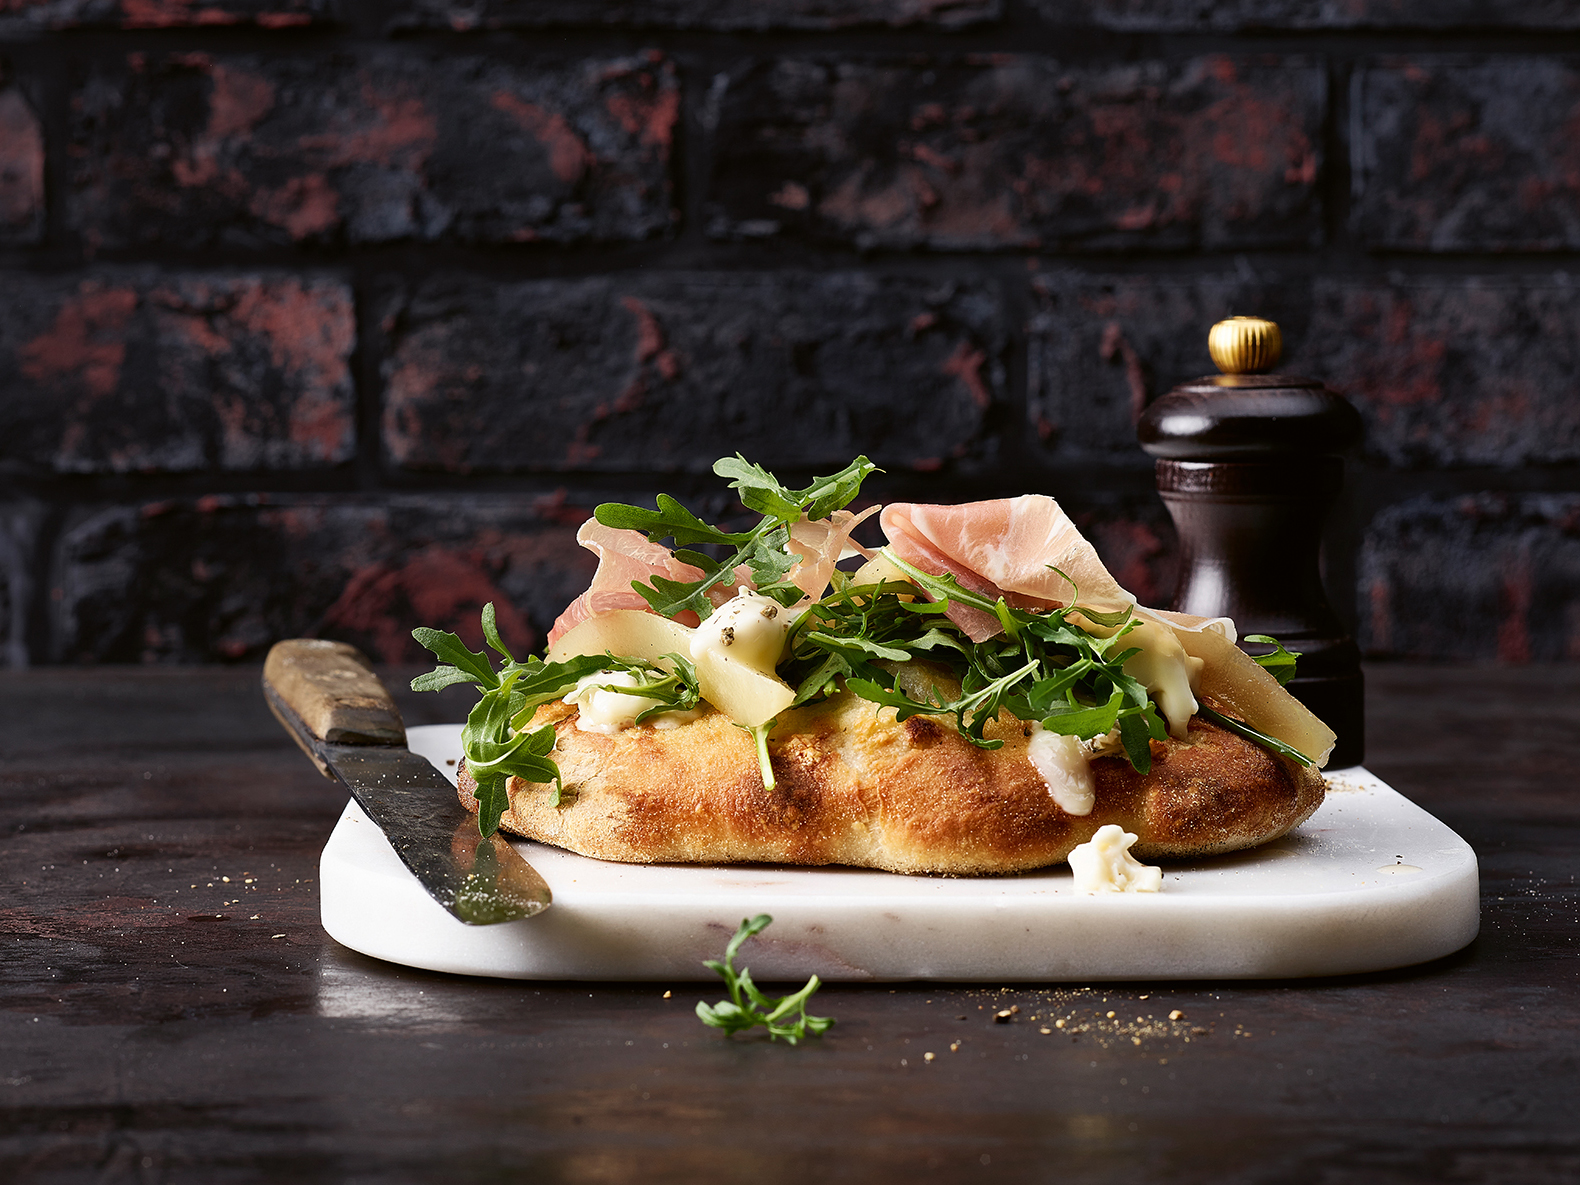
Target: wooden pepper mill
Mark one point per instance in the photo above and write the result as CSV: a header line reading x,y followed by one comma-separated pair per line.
x,y
1248,467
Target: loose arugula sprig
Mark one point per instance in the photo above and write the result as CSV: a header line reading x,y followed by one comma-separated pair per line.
x,y
496,740
763,548
748,1007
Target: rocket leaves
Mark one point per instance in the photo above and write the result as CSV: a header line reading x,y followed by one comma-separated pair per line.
x,y
496,739
1043,667
1063,668
748,1007
1280,664
763,549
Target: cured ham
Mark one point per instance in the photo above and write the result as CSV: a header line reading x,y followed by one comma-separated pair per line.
x,y
626,557
623,558
1010,548
822,543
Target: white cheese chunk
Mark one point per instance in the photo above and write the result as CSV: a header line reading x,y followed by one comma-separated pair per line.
x,y
606,711
1166,671
748,628
1062,762
1104,865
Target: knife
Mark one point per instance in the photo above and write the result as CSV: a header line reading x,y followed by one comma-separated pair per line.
x,y
329,699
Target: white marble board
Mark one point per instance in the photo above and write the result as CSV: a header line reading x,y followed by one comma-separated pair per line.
x,y
1371,881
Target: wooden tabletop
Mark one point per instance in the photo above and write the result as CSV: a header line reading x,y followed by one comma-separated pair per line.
x,y
173,1012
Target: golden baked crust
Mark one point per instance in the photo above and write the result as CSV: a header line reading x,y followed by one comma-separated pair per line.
x,y
857,788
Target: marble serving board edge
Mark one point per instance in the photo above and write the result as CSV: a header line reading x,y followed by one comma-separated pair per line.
x,y
1369,882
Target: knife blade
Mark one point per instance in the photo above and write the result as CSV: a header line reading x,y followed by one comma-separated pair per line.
x,y
329,699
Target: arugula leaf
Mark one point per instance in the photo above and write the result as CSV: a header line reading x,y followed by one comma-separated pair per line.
x,y
761,491
764,548
538,682
493,754
453,651
491,634
672,597
441,677
496,741
492,802
1241,728
887,697
748,1007
1075,720
864,645
671,519
1280,664
758,489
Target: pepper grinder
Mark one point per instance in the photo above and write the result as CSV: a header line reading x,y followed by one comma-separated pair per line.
x,y
1248,465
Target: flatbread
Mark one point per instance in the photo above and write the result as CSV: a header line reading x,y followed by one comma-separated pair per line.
x,y
855,787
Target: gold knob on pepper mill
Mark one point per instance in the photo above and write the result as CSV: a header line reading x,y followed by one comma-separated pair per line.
x,y
1245,345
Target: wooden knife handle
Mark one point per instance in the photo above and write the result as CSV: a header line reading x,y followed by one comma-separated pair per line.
x,y
334,691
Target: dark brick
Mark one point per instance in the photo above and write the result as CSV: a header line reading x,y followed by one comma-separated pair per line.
x,y
1475,577
1457,155
670,372
222,578
1008,151
1453,372
1445,372
127,372
1101,348
193,150
18,17
1196,15
694,14
18,528
21,169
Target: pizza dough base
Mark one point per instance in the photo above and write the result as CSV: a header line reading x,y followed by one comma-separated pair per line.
x,y
857,788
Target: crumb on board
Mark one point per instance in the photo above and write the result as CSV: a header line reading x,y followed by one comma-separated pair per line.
x,y
1075,1013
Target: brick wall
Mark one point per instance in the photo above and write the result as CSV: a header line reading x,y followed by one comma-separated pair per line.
x,y
334,317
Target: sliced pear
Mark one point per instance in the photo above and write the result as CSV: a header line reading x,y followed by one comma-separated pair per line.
x,y
744,694
627,633
1247,692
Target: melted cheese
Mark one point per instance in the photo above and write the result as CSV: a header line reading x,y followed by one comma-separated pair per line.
x,y
1062,762
1104,865
1169,674
748,629
605,711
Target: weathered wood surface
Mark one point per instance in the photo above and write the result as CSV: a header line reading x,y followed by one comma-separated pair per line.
x,y
160,1023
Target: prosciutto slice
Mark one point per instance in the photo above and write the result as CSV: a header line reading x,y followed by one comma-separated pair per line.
x,y
822,543
1009,548
627,556
623,556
